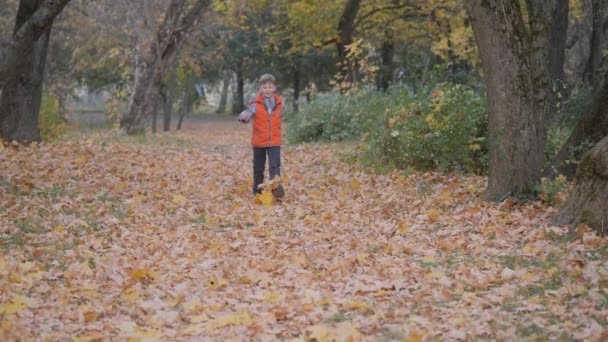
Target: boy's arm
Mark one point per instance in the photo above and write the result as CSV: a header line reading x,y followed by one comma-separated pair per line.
x,y
246,115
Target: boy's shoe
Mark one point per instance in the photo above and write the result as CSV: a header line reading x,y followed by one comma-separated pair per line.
x,y
279,192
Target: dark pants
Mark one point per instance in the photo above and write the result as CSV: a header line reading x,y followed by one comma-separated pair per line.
x,y
259,162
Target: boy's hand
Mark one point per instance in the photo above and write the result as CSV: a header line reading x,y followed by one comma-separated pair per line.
x,y
244,117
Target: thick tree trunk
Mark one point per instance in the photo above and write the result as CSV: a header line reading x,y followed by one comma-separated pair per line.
x,y
518,92
591,127
224,95
588,201
34,18
21,95
171,36
594,61
559,35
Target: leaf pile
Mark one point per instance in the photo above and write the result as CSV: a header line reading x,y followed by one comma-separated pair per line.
x,y
108,240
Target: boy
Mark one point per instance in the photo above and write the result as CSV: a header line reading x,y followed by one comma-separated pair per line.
x,y
266,111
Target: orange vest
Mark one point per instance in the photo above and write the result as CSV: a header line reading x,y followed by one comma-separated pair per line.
x,y
266,126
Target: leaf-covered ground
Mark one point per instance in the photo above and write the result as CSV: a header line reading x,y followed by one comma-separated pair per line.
x,y
159,237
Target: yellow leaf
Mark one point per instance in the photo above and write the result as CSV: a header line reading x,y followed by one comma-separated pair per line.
x,y
355,306
474,147
272,297
355,184
139,274
130,295
433,215
59,229
320,333
403,229
413,337
238,318
179,199
12,307
265,198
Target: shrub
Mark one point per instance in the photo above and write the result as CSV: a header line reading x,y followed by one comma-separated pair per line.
x,y
442,128
445,129
50,121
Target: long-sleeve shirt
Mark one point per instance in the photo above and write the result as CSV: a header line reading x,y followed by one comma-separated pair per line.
x,y
249,112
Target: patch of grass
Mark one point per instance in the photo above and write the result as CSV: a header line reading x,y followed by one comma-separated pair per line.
x,y
512,261
29,227
392,335
568,237
599,254
53,192
338,317
533,332
18,238
199,220
119,211
424,189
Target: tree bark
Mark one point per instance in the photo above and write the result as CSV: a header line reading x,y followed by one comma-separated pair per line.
x,y
171,36
168,104
591,127
22,94
513,58
346,31
36,18
155,116
297,75
238,100
386,70
588,201
224,95
559,35
594,61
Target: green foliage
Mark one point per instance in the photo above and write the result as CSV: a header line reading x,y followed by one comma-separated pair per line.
x,y
443,129
553,191
50,120
116,105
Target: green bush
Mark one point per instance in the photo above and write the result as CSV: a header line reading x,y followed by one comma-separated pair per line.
x,y
332,117
50,120
443,128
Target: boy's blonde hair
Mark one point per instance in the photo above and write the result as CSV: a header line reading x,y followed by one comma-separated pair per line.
x,y
266,78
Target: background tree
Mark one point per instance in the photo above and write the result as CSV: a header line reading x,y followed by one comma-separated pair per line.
x,y
22,62
177,22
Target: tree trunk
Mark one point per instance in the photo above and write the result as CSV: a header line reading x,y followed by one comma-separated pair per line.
x,y
155,116
224,95
588,201
346,30
167,107
238,100
595,47
386,70
518,92
296,84
171,36
591,127
34,18
559,35
21,95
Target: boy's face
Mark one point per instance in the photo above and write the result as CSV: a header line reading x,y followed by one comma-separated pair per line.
x,y
267,89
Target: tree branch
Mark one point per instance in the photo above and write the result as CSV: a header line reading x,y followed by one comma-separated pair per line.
x,y
21,44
